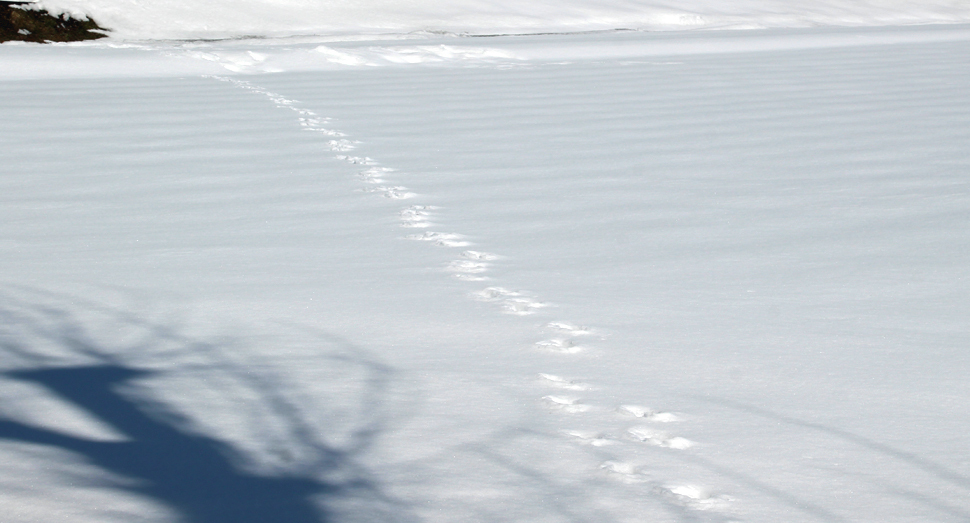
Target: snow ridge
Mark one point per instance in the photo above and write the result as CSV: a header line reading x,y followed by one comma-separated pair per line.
x,y
561,338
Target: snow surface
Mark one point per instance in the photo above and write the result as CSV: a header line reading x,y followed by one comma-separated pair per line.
x,y
625,276
191,19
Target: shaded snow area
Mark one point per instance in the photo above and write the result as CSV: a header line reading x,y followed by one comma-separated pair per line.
x,y
621,277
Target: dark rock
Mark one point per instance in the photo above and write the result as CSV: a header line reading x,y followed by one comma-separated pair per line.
x,y
19,22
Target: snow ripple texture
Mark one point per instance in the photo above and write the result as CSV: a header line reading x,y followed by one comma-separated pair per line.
x,y
560,338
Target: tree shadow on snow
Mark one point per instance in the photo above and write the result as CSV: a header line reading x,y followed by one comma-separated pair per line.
x,y
195,474
187,472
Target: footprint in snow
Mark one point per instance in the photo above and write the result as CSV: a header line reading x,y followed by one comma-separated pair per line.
x,y
521,306
511,302
374,174
625,472
480,256
416,216
468,270
660,439
563,383
326,132
342,145
565,342
596,439
560,345
468,266
695,497
648,414
442,239
313,123
495,293
569,329
566,404
394,193
279,100
316,124
357,160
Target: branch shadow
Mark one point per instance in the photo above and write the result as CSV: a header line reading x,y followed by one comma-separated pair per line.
x,y
923,463
187,472
200,476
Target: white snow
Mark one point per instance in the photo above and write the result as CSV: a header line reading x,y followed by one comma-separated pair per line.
x,y
622,276
187,19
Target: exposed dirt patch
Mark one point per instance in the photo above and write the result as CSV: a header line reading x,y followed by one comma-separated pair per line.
x,y
19,22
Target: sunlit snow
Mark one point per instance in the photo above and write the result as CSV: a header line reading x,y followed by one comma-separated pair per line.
x,y
368,270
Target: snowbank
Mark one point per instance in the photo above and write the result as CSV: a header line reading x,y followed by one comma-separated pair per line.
x,y
191,19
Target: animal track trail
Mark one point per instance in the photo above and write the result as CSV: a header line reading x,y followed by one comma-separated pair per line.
x,y
562,339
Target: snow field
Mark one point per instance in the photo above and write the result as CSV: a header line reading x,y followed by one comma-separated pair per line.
x,y
746,135
187,19
709,288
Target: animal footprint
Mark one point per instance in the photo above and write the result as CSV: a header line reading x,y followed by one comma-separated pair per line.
x,y
467,266
626,472
342,145
648,414
443,239
394,193
468,270
416,216
279,100
568,329
313,121
563,383
660,439
373,175
327,132
565,404
521,306
480,256
314,124
495,293
695,497
357,160
595,439
512,302
561,345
